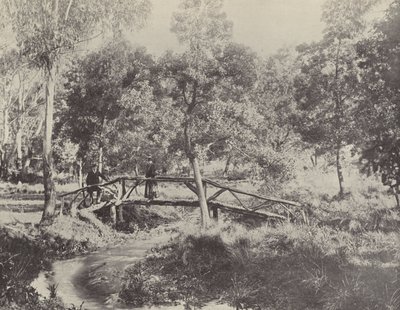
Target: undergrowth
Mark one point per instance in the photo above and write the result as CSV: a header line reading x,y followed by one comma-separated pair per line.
x,y
367,204
345,258
286,267
25,250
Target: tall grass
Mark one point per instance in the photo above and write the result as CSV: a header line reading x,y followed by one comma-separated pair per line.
x,y
285,267
347,258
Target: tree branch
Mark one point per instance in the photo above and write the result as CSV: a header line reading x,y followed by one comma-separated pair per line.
x,y
184,95
193,102
67,11
194,94
91,38
56,12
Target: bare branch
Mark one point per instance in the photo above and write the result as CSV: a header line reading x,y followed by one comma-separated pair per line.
x,y
184,95
194,94
67,11
39,128
91,38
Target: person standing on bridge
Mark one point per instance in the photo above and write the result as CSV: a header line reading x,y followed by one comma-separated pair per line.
x,y
93,178
150,190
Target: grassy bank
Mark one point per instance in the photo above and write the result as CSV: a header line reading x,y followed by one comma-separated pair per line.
x,y
27,248
286,267
367,205
346,258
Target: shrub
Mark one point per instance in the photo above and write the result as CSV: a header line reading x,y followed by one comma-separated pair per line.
x,y
23,256
185,269
282,267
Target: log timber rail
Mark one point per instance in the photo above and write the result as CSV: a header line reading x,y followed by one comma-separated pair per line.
x,y
122,188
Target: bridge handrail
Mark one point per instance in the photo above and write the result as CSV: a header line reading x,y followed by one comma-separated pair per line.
x,y
160,179
215,184
81,189
184,179
288,202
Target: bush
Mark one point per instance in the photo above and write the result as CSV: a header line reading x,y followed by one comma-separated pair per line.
x,y
286,267
185,269
366,206
20,262
23,256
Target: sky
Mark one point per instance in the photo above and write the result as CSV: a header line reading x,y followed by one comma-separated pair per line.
x,y
263,25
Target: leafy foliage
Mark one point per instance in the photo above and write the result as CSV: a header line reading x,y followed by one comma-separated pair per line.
x,y
201,24
378,113
45,29
96,110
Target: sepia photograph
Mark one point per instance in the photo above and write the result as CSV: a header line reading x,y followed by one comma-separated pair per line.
x,y
200,154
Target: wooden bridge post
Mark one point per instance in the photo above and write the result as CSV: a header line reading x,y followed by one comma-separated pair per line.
x,y
123,184
113,215
214,213
73,208
121,194
62,206
120,213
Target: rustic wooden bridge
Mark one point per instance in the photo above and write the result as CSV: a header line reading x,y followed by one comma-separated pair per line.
x,y
123,192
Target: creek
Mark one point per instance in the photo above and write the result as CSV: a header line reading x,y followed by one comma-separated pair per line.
x,y
95,278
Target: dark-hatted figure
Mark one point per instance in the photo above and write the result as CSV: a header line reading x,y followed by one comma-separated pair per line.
x,y
93,178
150,190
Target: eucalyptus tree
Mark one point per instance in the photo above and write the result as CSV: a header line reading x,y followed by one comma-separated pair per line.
x,y
20,98
327,87
379,114
271,147
47,29
208,84
148,124
274,95
93,89
202,27
8,94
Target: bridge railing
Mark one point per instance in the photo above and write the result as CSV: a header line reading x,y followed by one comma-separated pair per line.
x,y
78,197
122,188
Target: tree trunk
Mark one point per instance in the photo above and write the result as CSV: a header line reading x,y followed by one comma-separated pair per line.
x,y
101,146
80,175
339,117
5,150
136,170
48,182
18,141
27,161
314,158
339,169
227,165
205,217
100,159
18,136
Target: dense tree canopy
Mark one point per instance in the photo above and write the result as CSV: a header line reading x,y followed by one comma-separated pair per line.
x,y
379,110
44,30
215,100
